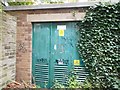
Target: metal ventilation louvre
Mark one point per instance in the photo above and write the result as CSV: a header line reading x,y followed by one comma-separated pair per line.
x,y
61,73
81,73
41,73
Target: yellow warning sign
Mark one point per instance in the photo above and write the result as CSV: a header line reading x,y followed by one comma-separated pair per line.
x,y
61,32
76,62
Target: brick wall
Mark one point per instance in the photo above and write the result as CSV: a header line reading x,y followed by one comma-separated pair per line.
x,y
7,48
24,39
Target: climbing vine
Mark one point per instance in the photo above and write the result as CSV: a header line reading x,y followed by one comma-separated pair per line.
x,y
99,45
20,3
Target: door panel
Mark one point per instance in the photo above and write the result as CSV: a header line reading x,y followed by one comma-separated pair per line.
x,y
64,50
54,52
41,49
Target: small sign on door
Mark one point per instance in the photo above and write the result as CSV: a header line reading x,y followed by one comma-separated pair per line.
x,y
63,27
61,32
76,62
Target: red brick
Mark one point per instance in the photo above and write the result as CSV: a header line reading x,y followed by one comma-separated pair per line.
x,y
24,32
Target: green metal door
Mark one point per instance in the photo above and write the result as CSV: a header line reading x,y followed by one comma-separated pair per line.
x,y
55,52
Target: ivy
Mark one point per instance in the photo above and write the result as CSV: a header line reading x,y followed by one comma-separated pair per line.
x,y
99,44
31,3
20,3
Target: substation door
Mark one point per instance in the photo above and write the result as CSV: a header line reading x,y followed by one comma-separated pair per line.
x,y
54,53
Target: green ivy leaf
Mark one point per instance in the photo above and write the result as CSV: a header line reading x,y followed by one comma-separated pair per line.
x,y
99,44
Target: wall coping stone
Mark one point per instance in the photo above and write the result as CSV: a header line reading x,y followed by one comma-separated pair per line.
x,y
50,6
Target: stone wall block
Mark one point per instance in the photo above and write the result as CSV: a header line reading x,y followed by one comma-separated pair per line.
x,y
7,49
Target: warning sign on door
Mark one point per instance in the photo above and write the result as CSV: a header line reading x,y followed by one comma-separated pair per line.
x,y
61,32
63,27
76,62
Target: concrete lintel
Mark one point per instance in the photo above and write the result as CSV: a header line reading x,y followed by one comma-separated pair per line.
x,y
51,6
55,17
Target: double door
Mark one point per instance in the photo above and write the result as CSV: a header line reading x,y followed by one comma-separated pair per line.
x,y
54,52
